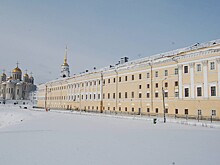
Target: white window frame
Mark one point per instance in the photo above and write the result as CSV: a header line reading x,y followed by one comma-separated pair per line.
x,y
212,65
184,69
165,72
156,73
176,71
188,91
199,86
198,67
213,112
211,90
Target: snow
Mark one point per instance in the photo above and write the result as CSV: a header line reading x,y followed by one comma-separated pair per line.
x,y
63,137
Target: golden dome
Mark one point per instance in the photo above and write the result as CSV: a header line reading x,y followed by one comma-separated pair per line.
x,y
17,69
65,64
26,75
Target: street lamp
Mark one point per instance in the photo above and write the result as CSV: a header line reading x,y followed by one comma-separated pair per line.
x,y
164,111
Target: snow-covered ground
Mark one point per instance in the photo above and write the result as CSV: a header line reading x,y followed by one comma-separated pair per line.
x,y
36,137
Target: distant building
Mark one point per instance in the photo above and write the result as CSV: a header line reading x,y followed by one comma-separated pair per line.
x,y
14,87
187,79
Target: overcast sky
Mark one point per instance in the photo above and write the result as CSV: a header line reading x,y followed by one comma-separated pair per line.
x,y
98,32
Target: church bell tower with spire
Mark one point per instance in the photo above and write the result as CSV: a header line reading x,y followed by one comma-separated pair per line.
x,y
65,72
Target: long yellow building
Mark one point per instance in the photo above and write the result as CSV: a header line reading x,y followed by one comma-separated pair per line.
x,y
181,83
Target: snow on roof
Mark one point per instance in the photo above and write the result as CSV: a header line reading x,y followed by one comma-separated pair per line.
x,y
149,59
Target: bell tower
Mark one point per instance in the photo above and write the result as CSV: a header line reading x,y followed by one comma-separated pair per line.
x,y
65,67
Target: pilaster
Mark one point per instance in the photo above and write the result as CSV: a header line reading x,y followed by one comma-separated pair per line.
x,y
205,78
218,66
180,76
192,80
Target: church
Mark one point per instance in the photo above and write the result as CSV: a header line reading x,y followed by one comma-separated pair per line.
x,y
14,87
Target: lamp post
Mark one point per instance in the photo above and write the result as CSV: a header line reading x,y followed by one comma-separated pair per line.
x,y
164,111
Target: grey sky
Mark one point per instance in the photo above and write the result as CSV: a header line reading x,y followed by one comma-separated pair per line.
x,y
98,32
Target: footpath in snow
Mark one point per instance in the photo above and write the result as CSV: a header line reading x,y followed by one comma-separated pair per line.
x,y
33,136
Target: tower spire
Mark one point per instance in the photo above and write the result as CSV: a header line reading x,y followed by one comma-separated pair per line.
x,y
65,67
65,57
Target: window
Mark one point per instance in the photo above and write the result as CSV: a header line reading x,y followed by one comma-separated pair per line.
x,y
213,112
148,75
176,71
126,78
108,95
166,84
198,68
113,95
156,110
148,109
176,94
212,65
126,95
213,91
166,73
165,94
109,80
148,85
119,79
140,95
156,94
114,80
186,112
139,76
199,112
156,85
132,77
186,69
132,109
176,83
148,95
119,95
126,109
166,110
176,111
156,74
132,94
199,91
139,86
119,108
186,92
